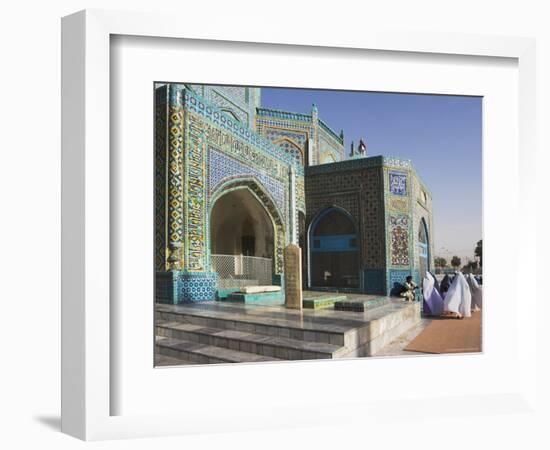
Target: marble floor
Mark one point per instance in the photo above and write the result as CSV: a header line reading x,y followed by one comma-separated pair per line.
x,y
322,319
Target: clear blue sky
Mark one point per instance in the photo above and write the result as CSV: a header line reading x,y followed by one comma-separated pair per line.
x,y
440,134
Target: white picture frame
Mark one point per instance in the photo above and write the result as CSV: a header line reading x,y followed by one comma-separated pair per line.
x,y
88,324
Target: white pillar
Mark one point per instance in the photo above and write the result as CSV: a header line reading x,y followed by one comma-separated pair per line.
x,y
310,151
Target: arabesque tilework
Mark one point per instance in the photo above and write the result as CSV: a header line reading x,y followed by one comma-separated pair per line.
x,y
399,247
308,132
223,168
196,194
175,204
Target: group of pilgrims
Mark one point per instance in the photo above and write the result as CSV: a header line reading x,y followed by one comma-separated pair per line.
x,y
454,297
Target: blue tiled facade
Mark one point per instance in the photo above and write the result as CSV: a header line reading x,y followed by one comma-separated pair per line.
x,y
224,167
212,139
374,281
176,287
196,287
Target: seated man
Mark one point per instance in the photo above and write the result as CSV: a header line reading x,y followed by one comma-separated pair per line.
x,y
408,290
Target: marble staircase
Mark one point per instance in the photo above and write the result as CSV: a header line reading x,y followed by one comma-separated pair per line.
x,y
210,333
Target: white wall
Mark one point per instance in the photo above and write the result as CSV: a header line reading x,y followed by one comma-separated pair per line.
x,y
30,194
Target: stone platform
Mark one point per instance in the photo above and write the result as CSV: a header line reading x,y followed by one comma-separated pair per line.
x,y
311,299
220,332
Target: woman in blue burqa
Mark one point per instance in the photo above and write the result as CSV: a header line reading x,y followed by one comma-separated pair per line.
x,y
477,292
432,299
458,300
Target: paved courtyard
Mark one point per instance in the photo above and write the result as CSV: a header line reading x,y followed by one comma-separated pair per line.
x,y
397,346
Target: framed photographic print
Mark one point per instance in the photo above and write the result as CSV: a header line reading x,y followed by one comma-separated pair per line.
x,y
250,221
277,239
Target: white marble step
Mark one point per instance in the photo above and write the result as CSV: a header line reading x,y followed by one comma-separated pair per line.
x,y
167,361
273,346
198,353
276,324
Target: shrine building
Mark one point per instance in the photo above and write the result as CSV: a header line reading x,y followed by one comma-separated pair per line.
x,y
235,183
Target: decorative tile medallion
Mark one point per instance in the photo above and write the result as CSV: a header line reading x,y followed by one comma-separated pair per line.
x,y
398,183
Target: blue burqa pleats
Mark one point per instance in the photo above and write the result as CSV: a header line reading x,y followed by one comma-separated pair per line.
x,y
476,290
432,298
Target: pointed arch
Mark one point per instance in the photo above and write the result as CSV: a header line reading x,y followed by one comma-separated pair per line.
x,y
257,190
291,147
333,238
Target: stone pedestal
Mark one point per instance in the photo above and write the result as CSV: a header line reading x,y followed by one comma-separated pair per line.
x,y
293,276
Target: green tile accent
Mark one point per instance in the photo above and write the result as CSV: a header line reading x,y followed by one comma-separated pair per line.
x,y
264,298
222,294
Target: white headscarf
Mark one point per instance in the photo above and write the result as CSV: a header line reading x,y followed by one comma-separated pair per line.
x,y
459,297
477,292
431,295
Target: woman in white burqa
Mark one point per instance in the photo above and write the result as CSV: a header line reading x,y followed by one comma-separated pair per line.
x,y
432,297
477,292
458,301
